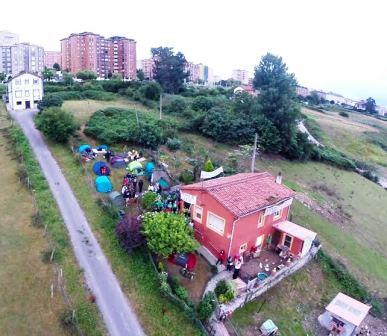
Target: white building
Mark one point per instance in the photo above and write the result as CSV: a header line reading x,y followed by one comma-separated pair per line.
x,y
8,39
24,91
344,315
241,76
338,99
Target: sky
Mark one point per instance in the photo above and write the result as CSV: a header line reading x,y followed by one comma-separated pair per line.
x,y
337,46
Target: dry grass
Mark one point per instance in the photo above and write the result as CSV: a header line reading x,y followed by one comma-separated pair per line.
x,y
26,307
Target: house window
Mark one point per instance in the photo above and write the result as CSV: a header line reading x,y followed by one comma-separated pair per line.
x,y
288,240
242,249
198,213
18,94
27,81
27,93
215,223
261,220
277,214
35,81
18,103
18,81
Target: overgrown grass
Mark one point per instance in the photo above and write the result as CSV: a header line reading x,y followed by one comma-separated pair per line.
x,y
86,313
138,279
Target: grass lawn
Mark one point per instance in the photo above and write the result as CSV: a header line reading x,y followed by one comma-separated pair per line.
x,y
293,304
349,135
26,306
157,315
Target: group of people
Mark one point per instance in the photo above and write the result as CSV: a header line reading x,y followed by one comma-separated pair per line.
x,y
231,263
171,204
131,187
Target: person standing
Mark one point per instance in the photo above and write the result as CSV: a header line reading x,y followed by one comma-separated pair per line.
x,y
229,263
140,185
221,257
237,266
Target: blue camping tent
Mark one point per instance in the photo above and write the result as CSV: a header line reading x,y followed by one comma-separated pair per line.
x,y
97,168
82,148
102,147
103,184
149,167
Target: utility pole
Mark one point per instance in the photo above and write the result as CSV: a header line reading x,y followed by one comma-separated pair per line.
x,y
254,153
161,105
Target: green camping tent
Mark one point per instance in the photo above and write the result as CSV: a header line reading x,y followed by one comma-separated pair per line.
x,y
135,167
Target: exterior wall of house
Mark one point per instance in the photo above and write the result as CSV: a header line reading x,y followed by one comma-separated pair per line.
x,y
296,244
207,237
246,230
25,90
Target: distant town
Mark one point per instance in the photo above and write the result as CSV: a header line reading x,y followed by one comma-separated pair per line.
x,y
117,55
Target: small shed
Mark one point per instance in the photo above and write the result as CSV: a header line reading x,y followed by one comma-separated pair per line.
x,y
344,315
103,184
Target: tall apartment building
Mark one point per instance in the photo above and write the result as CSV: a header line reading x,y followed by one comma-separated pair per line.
x,y
18,57
146,65
199,73
89,51
52,57
241,76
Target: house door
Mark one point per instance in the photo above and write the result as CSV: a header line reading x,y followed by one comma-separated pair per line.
x,y
259,242
28,104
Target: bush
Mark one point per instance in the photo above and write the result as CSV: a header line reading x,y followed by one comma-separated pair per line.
x,y
206,306
49,101
86,75
173,144
151,91
202,103
225,291
114,125
128,233
186,176
208,166
148,200
333,157
176,106
344,114
370,176
56,124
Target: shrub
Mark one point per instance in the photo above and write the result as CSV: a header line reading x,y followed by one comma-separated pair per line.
x,y
206,306
49,101
370,176
167,233
86,75
208,166
56,124
331,156
202,103
148,200
128,233
186,176
151,91
176,106
181,293
344,114
173,144
225,291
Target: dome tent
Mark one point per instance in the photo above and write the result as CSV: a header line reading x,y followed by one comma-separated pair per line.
x,y
135,167
103,184
149,167
97,168
83,148
116,199
117,162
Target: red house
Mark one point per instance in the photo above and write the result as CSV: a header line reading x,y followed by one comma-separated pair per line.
x,y
244,211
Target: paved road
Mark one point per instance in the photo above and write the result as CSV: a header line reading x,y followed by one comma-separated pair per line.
x,y
115,309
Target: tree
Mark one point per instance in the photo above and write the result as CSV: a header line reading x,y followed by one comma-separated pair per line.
x,y
314,98
56,67
148,201
202,103
370,105
277,100
48,74
50,100
56,124
2,76
167,233
86,75
208,166
129,235
68,79
169,69
140,75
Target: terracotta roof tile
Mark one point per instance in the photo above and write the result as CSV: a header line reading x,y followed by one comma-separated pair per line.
x,y
245,192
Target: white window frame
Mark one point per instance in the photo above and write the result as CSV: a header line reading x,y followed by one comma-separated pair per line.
x,y
18,93
261,220
198,219
221,232
275,216
262,238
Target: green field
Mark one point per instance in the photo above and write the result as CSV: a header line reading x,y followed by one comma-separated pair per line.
x,y
26,306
